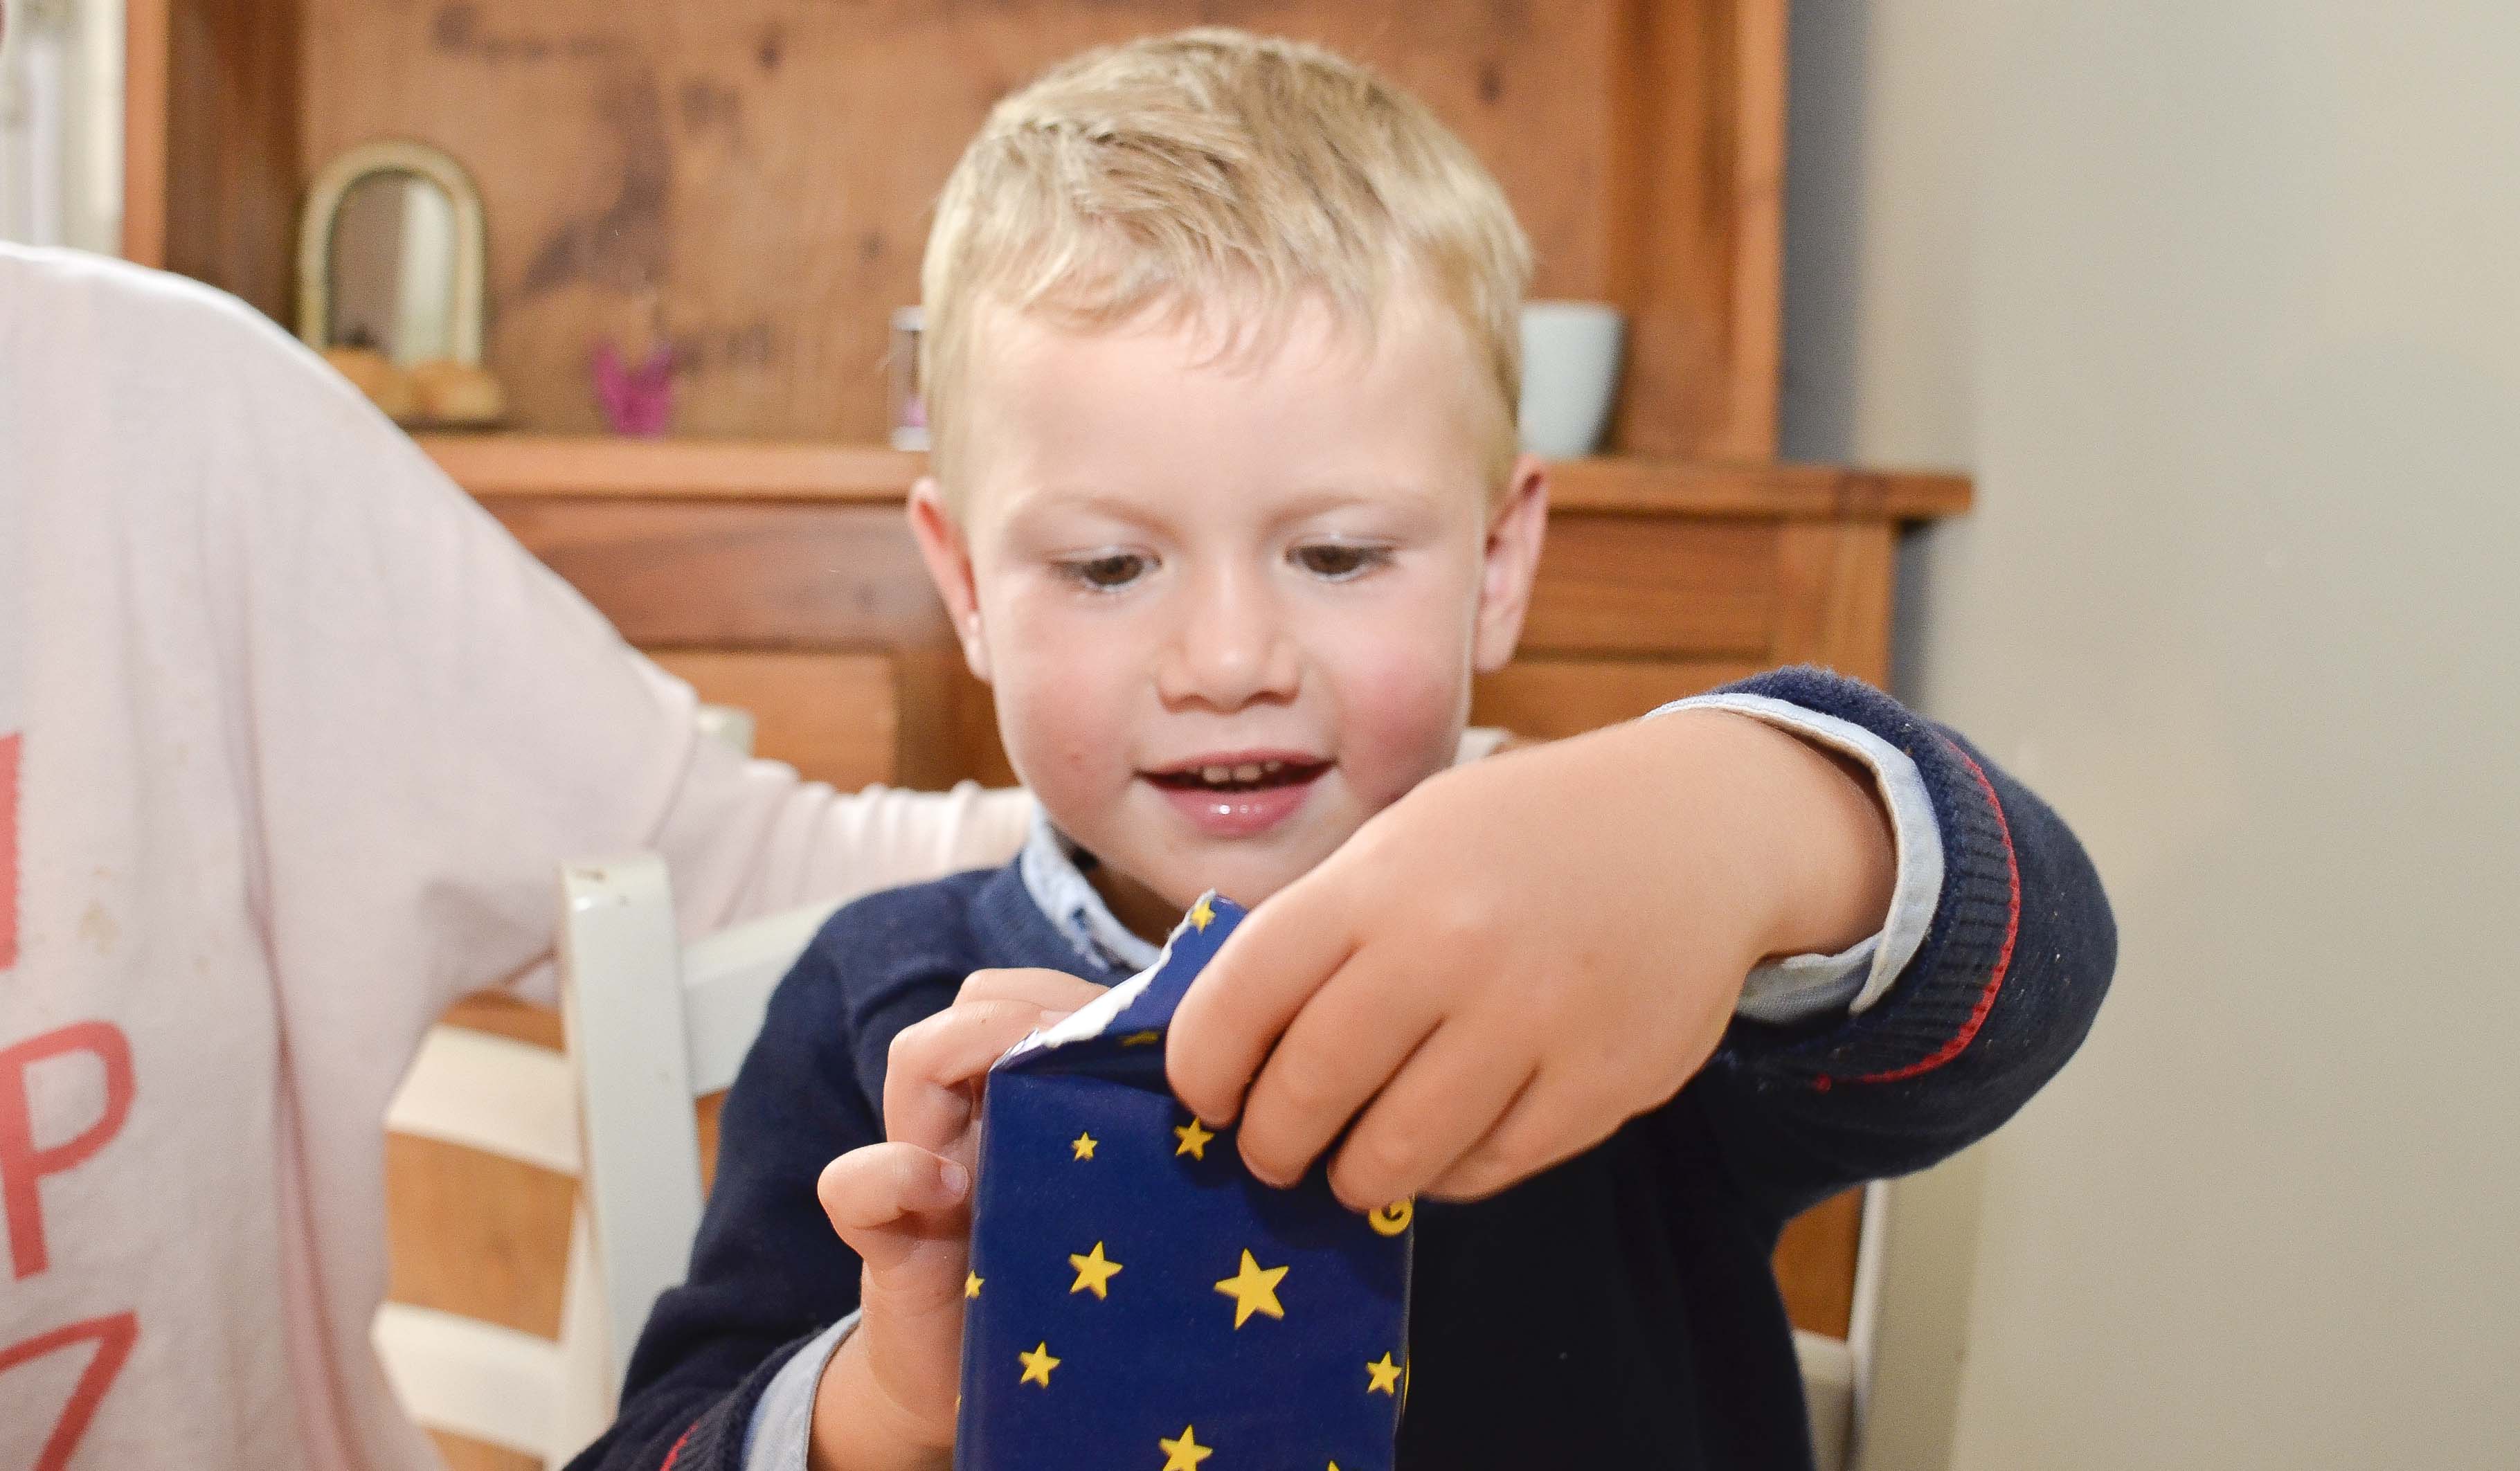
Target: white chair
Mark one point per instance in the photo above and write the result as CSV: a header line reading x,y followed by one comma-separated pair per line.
x,y
483,1381
543,1398
1837,1375
654,1025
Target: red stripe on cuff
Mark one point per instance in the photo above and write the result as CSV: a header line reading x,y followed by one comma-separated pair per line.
x,y
2003,957
676,1453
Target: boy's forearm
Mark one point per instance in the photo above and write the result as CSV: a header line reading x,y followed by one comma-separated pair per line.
x,y
1815,840
858,1427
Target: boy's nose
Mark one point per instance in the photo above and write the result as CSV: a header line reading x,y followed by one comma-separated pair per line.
x,y
1228,649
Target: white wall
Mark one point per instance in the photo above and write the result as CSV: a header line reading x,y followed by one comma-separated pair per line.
x,y
60,123
2221,302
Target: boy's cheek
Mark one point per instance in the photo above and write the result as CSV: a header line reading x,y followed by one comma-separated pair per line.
x,y
1400,714
1065,735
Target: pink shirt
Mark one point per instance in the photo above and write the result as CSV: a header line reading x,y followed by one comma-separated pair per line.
x,y
292,737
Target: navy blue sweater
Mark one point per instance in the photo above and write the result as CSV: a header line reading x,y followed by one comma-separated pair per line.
x,y
1617,1310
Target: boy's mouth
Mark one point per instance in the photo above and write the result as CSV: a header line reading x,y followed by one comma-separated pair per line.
x,y
1238,776
1240,794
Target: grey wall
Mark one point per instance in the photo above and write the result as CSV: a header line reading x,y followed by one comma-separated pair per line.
x,y
2220,302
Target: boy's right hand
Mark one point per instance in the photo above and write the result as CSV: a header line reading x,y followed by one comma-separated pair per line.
x,y
886,1398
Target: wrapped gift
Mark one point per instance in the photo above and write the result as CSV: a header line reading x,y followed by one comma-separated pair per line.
x,y
1136,1298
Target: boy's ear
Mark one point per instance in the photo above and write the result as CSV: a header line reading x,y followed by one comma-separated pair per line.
x,y
1515,530
949,566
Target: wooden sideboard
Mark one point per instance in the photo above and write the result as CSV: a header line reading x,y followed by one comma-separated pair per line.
x,y
781,578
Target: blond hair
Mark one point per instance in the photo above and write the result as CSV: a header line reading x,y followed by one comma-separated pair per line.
x,y
1175,173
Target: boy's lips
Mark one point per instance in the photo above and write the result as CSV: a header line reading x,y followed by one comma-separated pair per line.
x,y
1233,794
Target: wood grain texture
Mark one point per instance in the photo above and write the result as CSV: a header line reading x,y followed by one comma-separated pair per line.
x,y
464,1455
597,467
1814,1262
603,466
835,717
749,182
148,52
1547,699
1698,99
1833,597
211,144
735,575
1683,587
475,1234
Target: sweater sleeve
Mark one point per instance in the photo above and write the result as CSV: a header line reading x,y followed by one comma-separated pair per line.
x,y
1996,997
768,1275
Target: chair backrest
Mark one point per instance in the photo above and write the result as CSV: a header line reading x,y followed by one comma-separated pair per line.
x,y
652,1026
484,1381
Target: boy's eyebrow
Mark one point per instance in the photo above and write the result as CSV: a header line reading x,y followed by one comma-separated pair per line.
x,y
1312,500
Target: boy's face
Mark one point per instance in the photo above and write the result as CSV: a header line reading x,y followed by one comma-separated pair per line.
x,y
1229,608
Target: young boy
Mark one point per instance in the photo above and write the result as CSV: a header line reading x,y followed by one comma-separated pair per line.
x,y
1226,509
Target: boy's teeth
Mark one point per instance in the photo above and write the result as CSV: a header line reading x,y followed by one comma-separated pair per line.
x,y
1242,775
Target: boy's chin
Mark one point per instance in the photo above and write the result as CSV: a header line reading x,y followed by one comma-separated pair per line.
x,y
1247,878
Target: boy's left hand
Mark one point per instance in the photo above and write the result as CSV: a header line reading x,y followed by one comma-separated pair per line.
x,y
1524,953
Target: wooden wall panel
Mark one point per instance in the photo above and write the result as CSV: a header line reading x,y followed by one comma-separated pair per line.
x,y
751,181
1834,596
738,575
1547,699
835,717
1630,585
1698,185
211,143
1814,1264
475,1234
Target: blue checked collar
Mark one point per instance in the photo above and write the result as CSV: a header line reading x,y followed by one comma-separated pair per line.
x,y
1052,869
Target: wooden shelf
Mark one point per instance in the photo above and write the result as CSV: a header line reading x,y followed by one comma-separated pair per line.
x,y
715,469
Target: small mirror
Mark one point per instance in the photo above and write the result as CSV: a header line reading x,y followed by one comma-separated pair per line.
x,y
389,277
391,268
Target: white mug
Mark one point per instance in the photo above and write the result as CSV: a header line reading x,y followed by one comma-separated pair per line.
x,y
1570,376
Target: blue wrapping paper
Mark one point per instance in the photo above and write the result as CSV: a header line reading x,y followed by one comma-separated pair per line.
x,y
1136,1298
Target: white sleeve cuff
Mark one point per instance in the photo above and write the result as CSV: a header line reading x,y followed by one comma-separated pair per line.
x,y
1802,988
781,1428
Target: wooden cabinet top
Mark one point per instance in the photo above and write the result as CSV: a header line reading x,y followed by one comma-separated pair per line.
x,y
559,465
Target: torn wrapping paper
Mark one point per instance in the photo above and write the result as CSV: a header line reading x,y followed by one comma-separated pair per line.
x,y
1136,1298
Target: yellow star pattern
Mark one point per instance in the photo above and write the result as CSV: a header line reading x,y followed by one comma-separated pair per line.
x,y
1037,1365
1384,1376
1142,1039
1185,1454
1201,915
1193,1139
1094,1271
1253,1290
970,1284
1083,1145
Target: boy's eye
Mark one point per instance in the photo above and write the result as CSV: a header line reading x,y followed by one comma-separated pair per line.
x,y
1337,562
1109,572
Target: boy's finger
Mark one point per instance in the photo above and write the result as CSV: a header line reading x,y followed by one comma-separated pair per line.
x,y
1239,1004
1049,990
1351,1036
1541,1128
924,1099
866,1191
1447,1096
